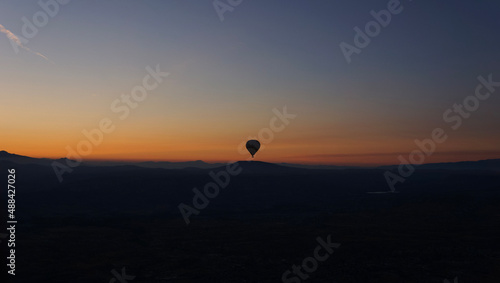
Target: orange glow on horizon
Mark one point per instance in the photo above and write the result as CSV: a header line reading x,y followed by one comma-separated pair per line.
x,y
220,154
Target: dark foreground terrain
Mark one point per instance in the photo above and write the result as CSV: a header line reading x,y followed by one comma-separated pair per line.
x,y
442,224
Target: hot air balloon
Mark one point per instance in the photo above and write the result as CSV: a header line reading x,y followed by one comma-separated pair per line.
x,y
253,146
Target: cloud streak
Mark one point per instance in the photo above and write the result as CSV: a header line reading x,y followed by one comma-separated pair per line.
x,y
18,42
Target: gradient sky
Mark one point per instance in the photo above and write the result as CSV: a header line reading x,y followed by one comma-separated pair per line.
x,y
226,77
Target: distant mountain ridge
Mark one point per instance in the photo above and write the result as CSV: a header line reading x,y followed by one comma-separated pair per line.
x,y
198,164
20,159
487,164
251,166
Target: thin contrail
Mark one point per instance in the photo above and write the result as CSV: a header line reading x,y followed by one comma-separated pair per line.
x,y
18,42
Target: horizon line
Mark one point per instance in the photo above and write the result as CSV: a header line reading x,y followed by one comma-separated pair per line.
x,y
363,165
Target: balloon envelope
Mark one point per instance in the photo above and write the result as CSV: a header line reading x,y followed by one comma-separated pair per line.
x,y
253,146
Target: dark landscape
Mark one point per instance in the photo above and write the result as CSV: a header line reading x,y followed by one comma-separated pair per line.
x,y
442,223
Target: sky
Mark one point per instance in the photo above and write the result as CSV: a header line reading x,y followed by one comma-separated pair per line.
x,y
226,77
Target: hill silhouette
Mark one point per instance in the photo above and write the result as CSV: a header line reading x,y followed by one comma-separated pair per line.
x,y
260,167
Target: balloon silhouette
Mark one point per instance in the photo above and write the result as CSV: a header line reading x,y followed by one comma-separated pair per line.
x,y
253,146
